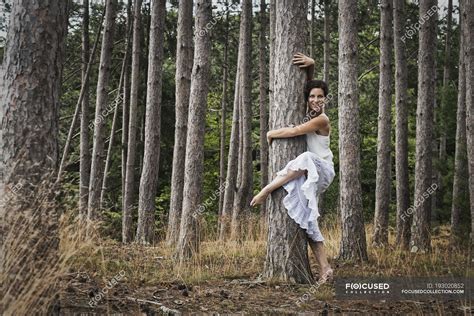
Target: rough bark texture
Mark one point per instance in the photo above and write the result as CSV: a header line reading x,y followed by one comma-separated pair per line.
x,y
188,242
353,243
287,254
97,161
384,144
420,230
127,216
184,64
401,134
460,183
469,60
30,91
263,99
85,156
244,191
126,95
151,159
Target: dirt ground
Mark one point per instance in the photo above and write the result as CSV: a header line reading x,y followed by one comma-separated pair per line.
x,y
238,296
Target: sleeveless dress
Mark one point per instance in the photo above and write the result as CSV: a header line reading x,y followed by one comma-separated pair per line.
x,y
301,201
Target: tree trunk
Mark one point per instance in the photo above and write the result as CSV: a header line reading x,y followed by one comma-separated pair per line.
x,y
469,62
353,243
460,182
188,242
127,216
126,95
184,64
97,161
327,40
232,163
383,175
420,230
287,254
263,90
151,158
244,191
85,156
311,28
108,158
401,135
222,137
30,92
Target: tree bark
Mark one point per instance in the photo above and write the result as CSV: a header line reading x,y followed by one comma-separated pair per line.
x,y
113,129
30,91
401,135
126,95
420,230
263,107
383,175
460,183
188,242
127,216
327,40
287,254
97,161
232,164
85,156
222,137
353,243
244,191
151,158
184,64
469,60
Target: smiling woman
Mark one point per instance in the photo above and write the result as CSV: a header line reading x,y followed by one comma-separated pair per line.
x,y
311,173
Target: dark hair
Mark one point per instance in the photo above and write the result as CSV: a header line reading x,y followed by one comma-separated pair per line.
x,y
310,85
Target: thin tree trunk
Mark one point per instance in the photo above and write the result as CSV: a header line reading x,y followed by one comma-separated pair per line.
x,y
30,92
184,64
263,90
244,191
188,242
127,216
383,175
353,243
232,164
79,104
311,28
420,230
327,40
151,158
108,158
287,255
222,137
460,182
126,95
97,163
401,135
85,156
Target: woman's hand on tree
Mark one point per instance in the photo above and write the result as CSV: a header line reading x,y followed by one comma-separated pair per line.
x,y
269,137
302,60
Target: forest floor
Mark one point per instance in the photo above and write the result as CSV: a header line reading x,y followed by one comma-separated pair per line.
x,y
224,279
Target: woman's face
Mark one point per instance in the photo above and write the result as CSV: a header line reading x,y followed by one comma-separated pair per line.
x,y
316,100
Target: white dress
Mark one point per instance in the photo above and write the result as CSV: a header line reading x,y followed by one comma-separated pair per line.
x,y
301,201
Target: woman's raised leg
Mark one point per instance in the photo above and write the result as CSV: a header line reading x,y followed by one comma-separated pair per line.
x,y
275,184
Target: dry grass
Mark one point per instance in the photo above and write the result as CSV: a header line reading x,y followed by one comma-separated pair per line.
x,y
244,259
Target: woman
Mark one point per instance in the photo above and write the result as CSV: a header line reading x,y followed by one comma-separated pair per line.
x,y
310,174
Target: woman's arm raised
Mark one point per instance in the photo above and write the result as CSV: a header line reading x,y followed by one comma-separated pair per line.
x,y
304,61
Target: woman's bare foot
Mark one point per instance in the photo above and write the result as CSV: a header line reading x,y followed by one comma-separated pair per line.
x,y
326,275
259,198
